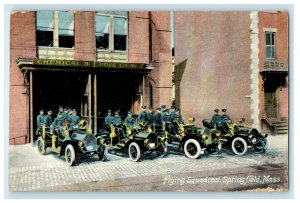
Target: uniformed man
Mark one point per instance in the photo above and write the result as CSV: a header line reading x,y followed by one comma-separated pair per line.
x,y
60,110
166,116
117,122
142,116
172,118
109,119
65,114
129,120
58,120
225,117
150,116
40,121
158,117
48,120
216,118
163,110
179,117
73,118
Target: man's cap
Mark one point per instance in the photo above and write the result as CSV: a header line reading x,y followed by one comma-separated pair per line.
x,y
116,112
60,107
150,108
65,109
177,109
224,110
163,106
129,112
49,110
74,110
42,110
158,108
172,107
59,114
144,107
217,110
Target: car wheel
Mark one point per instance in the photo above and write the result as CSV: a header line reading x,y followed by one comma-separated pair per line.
x,y
70,155
41,146
262,146
192,148
134,151
239,146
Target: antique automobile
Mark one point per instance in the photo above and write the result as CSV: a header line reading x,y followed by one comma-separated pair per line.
x,y
189,138
138,141
235,136
74,144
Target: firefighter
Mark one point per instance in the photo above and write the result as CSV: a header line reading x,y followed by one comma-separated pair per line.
x,y
129,120
48,120
142,116
73,118
109,119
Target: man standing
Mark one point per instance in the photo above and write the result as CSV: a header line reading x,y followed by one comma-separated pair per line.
x,y
225,117
40,121
150,117
48,120
216,117
142,116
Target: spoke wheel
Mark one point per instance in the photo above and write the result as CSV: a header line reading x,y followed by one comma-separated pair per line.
x,y
134,151
41,146
239,146
192,149
70,155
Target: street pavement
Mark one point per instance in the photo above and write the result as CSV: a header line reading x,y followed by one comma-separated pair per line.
x,y
30,171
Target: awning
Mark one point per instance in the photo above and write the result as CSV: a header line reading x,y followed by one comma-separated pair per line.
x,y
34,64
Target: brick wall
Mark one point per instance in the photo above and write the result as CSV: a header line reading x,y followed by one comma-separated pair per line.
x,y
22,45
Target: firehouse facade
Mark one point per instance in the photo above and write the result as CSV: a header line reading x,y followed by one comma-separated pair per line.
x,y
90,61
233,60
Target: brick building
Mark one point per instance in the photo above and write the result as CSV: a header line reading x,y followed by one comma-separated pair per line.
x,y
233,60
90,61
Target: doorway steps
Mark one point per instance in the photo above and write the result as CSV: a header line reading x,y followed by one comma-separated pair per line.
x,y
278,126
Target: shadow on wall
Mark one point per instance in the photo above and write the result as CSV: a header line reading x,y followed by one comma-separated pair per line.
x,y
179,70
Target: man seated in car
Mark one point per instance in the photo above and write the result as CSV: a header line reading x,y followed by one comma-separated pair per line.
x,y
216,118
74,119
117,122
129,120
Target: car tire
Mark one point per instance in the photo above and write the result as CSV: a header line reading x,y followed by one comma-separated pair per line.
x,y
239,146
134,152
41,146
70,155
192,149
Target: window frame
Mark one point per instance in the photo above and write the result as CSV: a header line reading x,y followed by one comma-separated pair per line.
x,y
272,39
112,16
56,30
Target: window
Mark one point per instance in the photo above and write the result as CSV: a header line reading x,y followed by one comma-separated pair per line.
x,y
55,29
270,45
66,29
44,28
111,30
102,32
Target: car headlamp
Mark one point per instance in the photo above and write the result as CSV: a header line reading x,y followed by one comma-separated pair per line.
x,y
152,145
80,144
146,142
